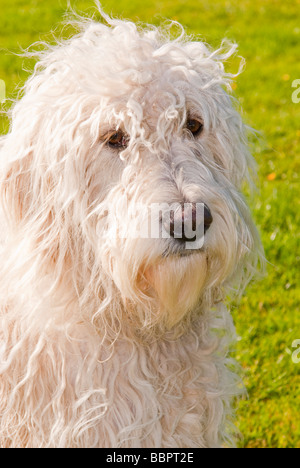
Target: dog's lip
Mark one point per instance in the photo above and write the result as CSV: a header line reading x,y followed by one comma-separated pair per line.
x,y
180,252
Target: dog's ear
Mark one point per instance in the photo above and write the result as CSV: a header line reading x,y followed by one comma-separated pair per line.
x,y
15,189
29,215
22,190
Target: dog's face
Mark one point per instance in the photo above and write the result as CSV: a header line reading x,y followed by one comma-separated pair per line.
x,y
119,121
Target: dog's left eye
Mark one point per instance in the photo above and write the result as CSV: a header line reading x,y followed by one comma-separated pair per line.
x,y
194,126
118,140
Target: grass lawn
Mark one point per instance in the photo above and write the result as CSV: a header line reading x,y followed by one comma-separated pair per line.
x,y
268,318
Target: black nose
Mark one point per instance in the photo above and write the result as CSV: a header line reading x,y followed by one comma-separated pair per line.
x,y
184,222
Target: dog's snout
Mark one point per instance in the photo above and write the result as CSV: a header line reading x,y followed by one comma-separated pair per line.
x,y
185,222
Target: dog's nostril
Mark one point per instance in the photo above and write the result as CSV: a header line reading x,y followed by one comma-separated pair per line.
x,y
185,223
208,219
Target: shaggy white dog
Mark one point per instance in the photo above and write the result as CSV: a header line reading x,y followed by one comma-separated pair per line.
x,y
110,340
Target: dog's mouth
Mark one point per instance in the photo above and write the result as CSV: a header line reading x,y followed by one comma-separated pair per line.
x,y
180,251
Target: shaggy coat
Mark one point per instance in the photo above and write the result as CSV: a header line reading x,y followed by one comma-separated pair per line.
x,y
106,340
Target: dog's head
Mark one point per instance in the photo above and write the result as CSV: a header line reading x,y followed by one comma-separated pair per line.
x,y
115,123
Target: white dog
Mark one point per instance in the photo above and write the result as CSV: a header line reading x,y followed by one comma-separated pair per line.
x,y
110,340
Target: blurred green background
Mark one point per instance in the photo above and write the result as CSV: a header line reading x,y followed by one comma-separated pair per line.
x,y
268,34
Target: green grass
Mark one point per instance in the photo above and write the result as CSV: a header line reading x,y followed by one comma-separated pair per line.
x,y
268,318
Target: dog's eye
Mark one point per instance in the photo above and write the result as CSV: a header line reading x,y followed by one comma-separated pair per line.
x,y
118,140
194,126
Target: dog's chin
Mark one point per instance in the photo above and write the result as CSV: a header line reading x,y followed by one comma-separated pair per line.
x,y
178,281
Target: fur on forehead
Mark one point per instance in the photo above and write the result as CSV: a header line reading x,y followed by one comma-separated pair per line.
x,y
134,52
120,60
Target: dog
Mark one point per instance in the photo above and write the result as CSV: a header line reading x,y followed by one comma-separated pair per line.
x,y
110,339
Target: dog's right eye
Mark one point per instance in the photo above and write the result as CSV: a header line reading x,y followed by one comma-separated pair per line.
x,y
194,126
118,140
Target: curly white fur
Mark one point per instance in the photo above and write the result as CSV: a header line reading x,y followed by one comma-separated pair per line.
x,y
109,342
